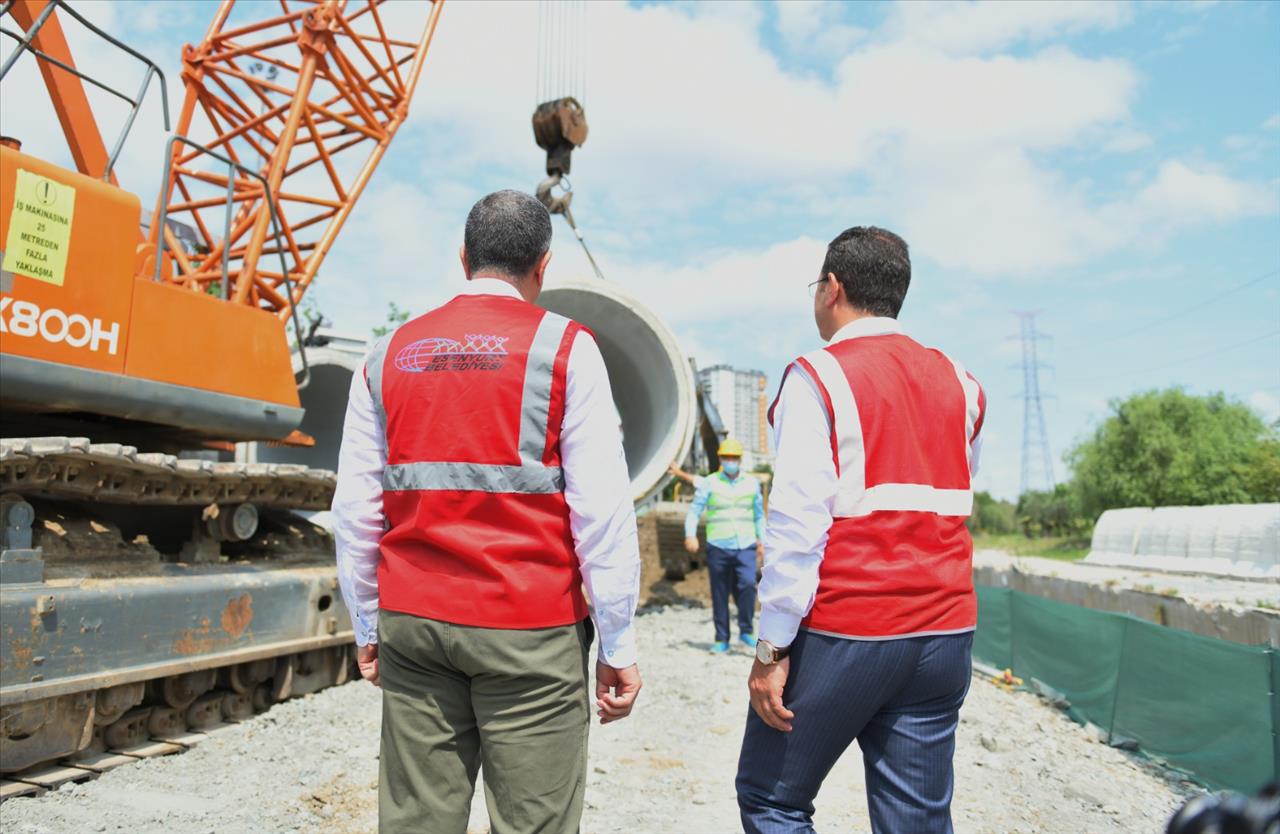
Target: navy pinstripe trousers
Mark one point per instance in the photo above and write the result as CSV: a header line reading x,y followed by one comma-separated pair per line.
x,y
899,699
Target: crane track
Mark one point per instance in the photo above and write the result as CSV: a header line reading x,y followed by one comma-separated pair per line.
x,y
87,766
123,653
74,468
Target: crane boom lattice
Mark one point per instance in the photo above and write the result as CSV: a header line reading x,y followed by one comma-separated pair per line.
x,y
310,98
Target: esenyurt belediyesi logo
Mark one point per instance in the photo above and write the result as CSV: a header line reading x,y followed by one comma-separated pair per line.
x,y
476,352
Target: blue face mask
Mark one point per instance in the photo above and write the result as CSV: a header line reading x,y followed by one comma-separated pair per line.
x,y
732,468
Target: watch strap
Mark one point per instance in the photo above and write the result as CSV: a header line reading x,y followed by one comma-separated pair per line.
x,y
775,653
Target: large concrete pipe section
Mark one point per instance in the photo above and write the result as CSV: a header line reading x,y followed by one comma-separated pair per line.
x,y
324,402
652,382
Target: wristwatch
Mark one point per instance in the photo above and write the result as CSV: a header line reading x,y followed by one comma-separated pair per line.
x,y
768,654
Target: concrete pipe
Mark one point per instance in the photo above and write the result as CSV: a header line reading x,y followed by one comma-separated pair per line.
x,y
652,382
324,402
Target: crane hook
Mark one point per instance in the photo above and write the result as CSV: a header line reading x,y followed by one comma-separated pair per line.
x,y
555,203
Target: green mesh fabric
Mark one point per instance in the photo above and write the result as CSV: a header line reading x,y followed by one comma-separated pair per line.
x,y
1207,706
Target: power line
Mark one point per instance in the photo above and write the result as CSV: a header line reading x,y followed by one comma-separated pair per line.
x,y
1193,308
1197,356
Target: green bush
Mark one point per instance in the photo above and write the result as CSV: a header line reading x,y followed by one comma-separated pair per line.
x,y
1261,472
1168,448
1056,513
395,318
991,516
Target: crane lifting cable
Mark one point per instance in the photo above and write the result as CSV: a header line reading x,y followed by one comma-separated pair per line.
x,y
559,120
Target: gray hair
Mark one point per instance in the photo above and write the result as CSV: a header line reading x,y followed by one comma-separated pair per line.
x,y
507,232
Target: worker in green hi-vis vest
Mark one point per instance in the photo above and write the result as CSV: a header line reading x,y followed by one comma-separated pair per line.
x,y
735,538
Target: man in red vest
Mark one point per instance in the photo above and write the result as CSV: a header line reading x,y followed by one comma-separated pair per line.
x,y
481,488
867,601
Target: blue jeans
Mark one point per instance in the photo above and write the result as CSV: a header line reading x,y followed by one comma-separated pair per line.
x,y
732,572
899,699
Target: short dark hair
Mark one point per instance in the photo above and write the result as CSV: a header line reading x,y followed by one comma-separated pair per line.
x,y
507,232
873,266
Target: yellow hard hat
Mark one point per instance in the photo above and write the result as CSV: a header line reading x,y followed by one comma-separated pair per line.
x,y
730,448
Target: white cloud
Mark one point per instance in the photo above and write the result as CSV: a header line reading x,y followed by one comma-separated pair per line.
x,y
933,130
1239,142
27,114
948,138
981,26
1266,405
1139,274
1272,122
948,103
738,114
950,148
1128,140
1182,194
732,284
814,28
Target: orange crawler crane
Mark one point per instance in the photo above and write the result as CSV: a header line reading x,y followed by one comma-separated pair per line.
x,y
148,584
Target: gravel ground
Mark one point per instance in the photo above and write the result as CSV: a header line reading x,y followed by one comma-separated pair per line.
x,y
310,765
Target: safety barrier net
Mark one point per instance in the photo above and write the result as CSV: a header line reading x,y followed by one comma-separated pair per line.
x,y
1209,707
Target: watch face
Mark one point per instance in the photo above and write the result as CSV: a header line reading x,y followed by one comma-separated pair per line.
x,y
764,652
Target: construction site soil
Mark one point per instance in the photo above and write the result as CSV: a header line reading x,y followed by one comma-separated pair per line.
x,y
310,765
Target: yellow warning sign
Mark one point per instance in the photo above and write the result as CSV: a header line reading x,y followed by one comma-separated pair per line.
x,y
39,228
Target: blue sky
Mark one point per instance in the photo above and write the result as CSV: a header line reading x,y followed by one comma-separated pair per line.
x,y
1112,165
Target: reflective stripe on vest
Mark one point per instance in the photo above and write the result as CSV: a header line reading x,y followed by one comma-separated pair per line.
x,y
532,476
535,403
897,562
528,479
853,498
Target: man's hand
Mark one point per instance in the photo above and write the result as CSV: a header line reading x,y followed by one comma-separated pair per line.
x,y
759,550
625,686
766,684
691,544
367,660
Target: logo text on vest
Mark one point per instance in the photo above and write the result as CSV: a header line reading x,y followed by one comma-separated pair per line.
x,y
477,352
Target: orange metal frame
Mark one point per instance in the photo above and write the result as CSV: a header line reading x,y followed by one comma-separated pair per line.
x,y
311,98
66,91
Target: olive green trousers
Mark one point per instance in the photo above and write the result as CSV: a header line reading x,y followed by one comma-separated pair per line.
x,y
456,697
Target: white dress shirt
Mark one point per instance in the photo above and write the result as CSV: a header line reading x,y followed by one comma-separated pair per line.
x,y
597,489
804,491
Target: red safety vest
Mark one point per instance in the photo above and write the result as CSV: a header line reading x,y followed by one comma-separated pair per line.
x,y
898,561
472,399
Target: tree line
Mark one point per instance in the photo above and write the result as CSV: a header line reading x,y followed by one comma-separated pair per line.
x,y
1154,449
